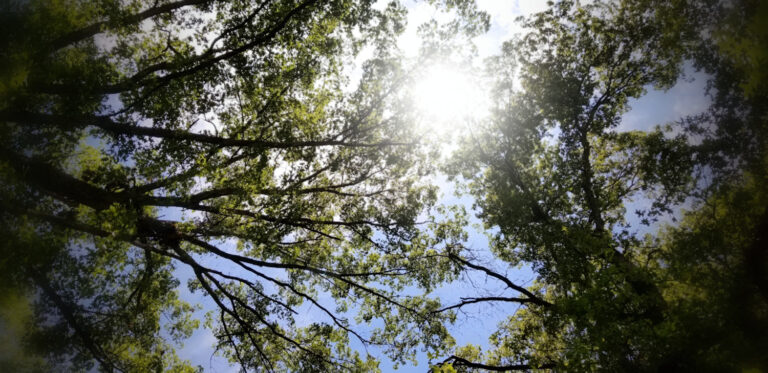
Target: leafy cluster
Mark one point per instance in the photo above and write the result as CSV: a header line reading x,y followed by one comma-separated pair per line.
x,y
552,175
227,139
242,144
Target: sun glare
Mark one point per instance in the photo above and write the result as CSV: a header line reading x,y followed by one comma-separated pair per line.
x,y
447,96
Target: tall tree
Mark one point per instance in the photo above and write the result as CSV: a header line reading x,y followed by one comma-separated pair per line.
x,y
552,177
140,137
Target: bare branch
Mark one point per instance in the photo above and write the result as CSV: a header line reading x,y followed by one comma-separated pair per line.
x,y
458,361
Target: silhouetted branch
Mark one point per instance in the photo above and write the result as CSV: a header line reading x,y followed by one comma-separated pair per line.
x,y
458,361
473,300
532,297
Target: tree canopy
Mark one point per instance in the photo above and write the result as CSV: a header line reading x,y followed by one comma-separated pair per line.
x,y
553,177
258,149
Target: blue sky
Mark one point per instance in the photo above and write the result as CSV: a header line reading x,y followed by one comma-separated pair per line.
x,y
476,323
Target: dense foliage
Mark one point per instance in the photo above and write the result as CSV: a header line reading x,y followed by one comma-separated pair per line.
x,y
553,178
238,143
139,138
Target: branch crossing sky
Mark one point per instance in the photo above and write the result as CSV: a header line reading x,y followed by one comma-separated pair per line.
x,y
476,325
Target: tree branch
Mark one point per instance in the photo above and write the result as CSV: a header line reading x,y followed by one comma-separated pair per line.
x,y
98,27
458,361
466,301
532,297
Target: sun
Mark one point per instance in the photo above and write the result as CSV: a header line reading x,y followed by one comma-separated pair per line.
x,y
447,96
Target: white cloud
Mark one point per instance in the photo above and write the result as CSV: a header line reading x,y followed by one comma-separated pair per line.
x,y
504,26
528,7
687,97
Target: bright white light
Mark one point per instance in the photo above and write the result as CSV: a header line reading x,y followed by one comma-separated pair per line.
x,y
447,96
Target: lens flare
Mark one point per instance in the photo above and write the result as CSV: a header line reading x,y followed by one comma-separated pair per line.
x,y
447,96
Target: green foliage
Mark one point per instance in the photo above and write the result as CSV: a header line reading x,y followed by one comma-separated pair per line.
x,y
713,267
743,39
227,140
552,178
15,319
234,146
